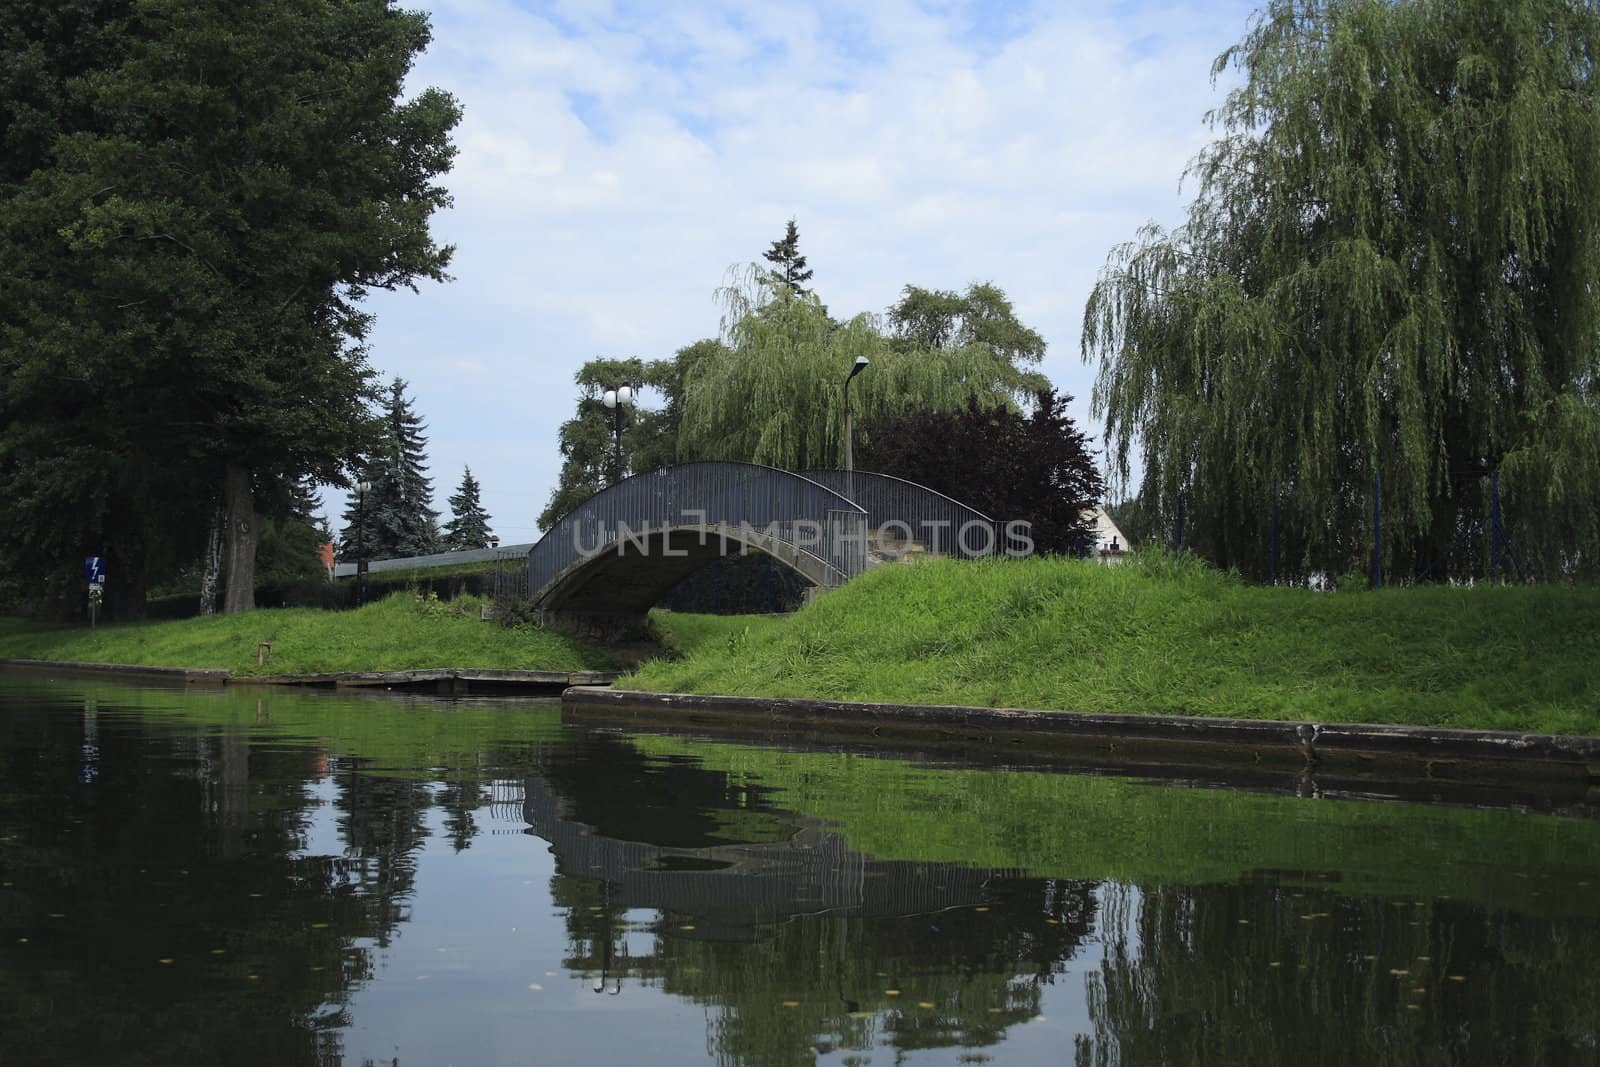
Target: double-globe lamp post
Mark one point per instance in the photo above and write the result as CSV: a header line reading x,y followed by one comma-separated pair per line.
x,y
615,400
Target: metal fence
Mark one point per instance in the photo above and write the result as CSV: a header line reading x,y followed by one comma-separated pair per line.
x,y
770,503
345,569
927,518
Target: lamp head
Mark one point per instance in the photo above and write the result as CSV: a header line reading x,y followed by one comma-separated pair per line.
x,y
625,394
364,486
860,365
609,399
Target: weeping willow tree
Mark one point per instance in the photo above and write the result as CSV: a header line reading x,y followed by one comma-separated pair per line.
x,y
1388,270
773,392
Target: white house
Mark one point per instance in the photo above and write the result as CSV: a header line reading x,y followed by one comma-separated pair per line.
x,y
1110,546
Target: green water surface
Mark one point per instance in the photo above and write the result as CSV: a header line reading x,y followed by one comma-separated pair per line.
x,y
281,877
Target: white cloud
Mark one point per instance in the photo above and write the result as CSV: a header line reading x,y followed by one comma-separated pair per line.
x,y
614,163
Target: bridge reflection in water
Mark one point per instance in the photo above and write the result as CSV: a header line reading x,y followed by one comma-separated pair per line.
x,y
731,890
693,881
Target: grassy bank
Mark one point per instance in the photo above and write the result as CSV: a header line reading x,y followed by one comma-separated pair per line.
x,y
402,632
1159,635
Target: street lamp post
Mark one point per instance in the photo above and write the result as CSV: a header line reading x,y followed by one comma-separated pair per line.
x,y
361,541
615,400
849,443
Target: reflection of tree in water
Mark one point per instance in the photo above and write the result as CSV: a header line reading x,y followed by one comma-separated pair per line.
x,y
1262,974
381,823
181,844
794,940
461,797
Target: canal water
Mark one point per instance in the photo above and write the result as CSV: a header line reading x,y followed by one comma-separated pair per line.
x,y
262,877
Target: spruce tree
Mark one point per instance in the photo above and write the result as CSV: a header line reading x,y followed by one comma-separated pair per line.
x,y
469,524
787,262
396,512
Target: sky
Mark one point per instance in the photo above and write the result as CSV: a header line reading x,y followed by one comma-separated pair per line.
x,y
617,159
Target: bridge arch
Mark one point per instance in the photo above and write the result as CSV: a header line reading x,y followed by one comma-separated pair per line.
x,y
928,519
604,565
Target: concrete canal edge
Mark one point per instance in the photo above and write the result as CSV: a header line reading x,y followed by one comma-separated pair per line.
x,y
1406,751
191,675
449,681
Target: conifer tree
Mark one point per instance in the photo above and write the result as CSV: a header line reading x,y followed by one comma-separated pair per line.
x,y
787,262
396,513
469,524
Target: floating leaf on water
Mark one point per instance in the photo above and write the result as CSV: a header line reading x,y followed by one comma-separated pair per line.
x,y
1244,922
891,992
1369,958
1420,989
1315,915
1413,1007
165,959
925,1004
219,952
420,977
57,915
1458,978
791,1003
1053,922
319,926
861,1015
981,907
252,977
687,926
1399,972
997,1011
535,986
550,974
22,941
1424,958
1275,963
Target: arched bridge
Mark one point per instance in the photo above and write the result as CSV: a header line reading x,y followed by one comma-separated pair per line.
x,y
603,566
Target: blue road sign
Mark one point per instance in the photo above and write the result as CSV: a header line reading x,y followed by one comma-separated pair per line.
x,y
94,570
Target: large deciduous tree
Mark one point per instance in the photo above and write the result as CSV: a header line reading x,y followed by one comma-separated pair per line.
x,y
1388,270
588,443
211,187
940,319
773,392
1035,468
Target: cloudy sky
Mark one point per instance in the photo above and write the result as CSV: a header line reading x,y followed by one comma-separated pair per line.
x,y
616,159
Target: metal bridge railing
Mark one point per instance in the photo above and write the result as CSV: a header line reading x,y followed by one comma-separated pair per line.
x,y
777,504
915,513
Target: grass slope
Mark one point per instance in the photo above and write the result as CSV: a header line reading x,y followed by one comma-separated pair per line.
x,y
401,632
1166,635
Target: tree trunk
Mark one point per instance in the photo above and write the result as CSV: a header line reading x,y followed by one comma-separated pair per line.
x,y
211,565
239,546
124,599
